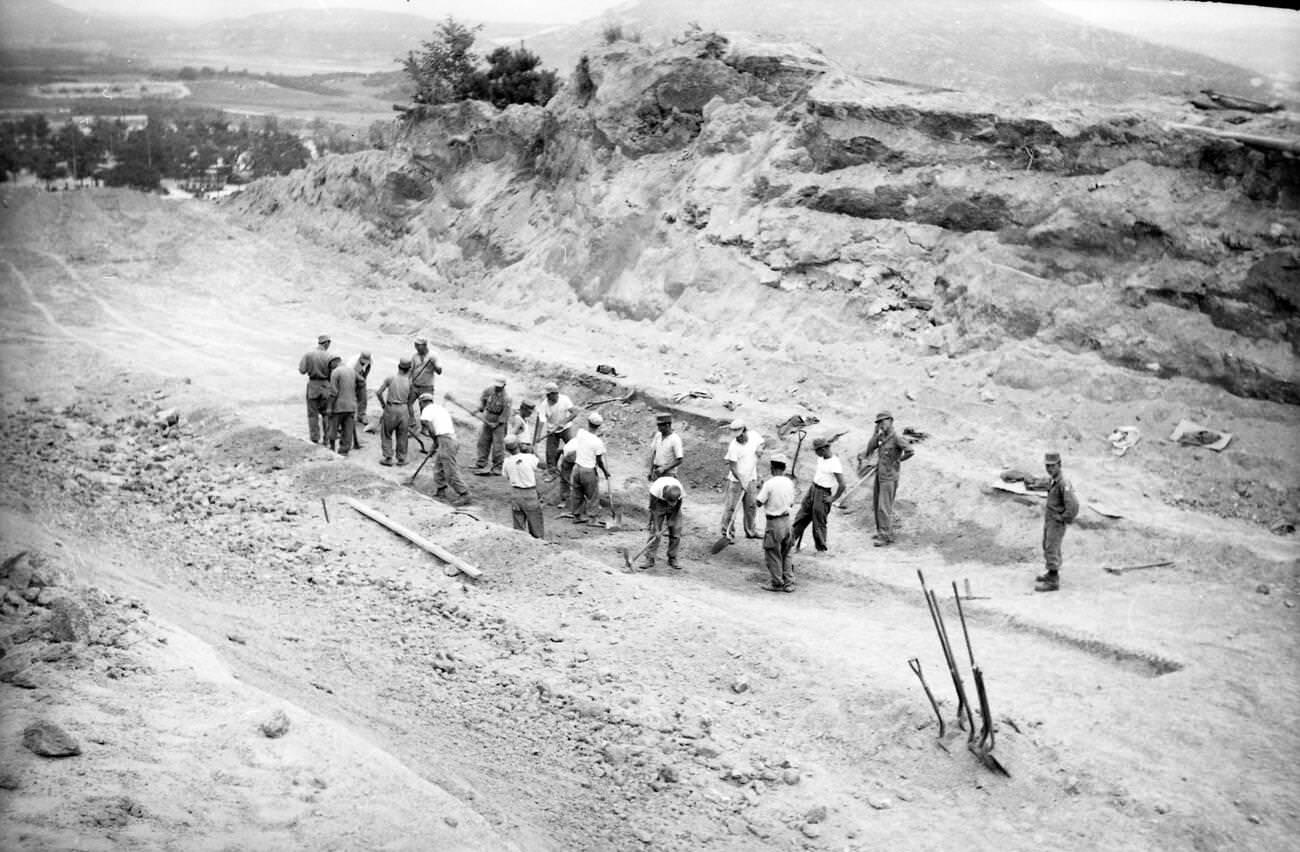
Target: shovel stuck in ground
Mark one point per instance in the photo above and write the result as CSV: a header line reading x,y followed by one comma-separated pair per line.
x,y
615,520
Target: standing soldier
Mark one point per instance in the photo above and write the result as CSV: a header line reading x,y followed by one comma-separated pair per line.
x,y
666,451
665,516
1062,508
436,422
520,469
494,412
893,449
424,369
315,365
394,400
361,367
816,506
742,480
524,426
588,457
343,406
777,499
557,413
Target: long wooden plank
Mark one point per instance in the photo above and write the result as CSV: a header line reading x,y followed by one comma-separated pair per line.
x,y
415,538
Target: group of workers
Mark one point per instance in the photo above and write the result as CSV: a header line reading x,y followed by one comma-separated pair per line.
x,y
518,444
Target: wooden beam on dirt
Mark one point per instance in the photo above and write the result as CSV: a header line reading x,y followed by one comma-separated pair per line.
x,y
415,538
1291,146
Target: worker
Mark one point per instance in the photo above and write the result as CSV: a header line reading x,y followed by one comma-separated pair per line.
x,y
588,458
424,369
828,477
892,450
525,425
742,480
666,495
1060,510
564,468
557,413
315,365
394,401
436,422
776,498
494,415
666,452
361,367
343,405
520,469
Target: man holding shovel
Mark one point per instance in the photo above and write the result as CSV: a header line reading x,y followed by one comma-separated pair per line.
x,y
665,516
494,412
436,422
520,469
588,458
742,480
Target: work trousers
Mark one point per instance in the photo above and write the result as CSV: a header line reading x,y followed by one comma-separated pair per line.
x,y
815,510
882,503
526,510
566,481
491,446
413,409
584,499
665,518
394,425
446,468
318,417
554,446
734,494
777,544
1053,534
343,429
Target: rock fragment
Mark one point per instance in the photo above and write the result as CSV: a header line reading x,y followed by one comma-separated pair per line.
x,y
47,739
276,726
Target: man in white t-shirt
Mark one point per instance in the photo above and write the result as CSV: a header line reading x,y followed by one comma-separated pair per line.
x,y
742,479
556,413
777,499
588,458
436,422
666,451
816,507
666,495
520,469
525,425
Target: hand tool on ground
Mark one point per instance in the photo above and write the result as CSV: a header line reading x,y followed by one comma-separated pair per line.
x,y
627,397
615,520
1127,568
628,560
844,498
423,462
915,665
326,509
983,747
725,540
969,597
936,617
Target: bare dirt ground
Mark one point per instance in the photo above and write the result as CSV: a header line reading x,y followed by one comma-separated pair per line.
x,y
560,702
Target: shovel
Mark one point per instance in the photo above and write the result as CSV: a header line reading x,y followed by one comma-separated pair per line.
x,y
1124,569
463,407
425,461
844,498
628,560
615,521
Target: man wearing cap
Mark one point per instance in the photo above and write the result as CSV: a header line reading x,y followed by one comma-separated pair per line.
x,y
666,494
742,480
424,369
525,424
666,451
777,499
520,469
494,412
1061,508
315,365
588,457
394,397
892,449
343,406
816,507
557,412
361,367
436,422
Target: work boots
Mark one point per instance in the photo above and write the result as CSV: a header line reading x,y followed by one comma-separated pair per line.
x,y
1049,582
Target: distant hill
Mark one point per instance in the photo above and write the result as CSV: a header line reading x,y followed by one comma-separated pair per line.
x,y
1008,47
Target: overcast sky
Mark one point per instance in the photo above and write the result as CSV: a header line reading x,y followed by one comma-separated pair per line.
x,y
543,11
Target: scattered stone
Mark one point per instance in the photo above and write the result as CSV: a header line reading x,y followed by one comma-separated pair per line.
x,y
759,828
880,803
167,417
9,780
1256,819
707,749
451,821
1072,785
643,835
670,774
276,726
615,753
740,684
790,776
1162,807
236,638
1263,589
70,621
815,814
47,739
811,830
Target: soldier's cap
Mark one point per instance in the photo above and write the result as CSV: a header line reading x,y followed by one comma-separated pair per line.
x,y
884,415
672,493
820,443
421,341
511,441
527,404
594,419
551,387
1052,458
365,356
663,418
322,338
736,424
499,381
427,397
779,458
404,361
334,356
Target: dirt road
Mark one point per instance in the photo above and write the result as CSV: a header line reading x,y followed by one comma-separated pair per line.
x,y
560,702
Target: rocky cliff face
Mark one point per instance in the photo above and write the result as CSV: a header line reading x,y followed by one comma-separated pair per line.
x,y
731,180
